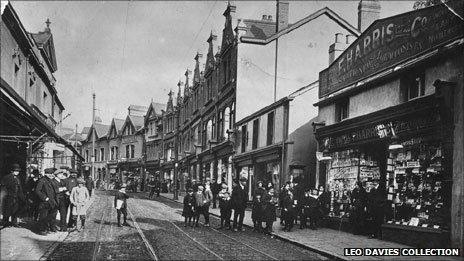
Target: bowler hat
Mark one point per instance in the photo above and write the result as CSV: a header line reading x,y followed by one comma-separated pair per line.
x,y
49,170
15,167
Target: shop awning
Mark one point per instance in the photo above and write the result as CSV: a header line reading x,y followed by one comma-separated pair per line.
x,y
25,119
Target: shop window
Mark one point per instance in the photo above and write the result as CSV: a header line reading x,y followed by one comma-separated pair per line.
x,y
413,86
270,128
341,109
416,186
244,138
254,144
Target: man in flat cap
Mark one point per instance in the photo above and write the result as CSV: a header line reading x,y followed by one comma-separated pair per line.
x,y
45,190
14,195
61,197
239,202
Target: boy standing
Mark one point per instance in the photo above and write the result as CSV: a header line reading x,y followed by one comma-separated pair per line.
x,y
120,203
79,198
189,203
225,206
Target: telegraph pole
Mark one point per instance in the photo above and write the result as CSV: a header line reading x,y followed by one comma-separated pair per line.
x,y
93,137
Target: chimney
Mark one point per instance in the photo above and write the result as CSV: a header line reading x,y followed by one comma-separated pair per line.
x,y
282,15
350,39
264,18
269,17
368,12
336,48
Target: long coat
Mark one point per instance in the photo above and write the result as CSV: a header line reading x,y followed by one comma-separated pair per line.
x,y
269,213
189,204
79,198
14,194
239,198
257,212
44,190
289,208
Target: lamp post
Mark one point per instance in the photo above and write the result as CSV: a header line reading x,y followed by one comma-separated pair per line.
x,y
176,185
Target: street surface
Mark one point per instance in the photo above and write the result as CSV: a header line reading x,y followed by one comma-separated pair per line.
x,y
158,234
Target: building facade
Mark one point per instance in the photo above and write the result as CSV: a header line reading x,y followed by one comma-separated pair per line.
x,y
391,106
31,110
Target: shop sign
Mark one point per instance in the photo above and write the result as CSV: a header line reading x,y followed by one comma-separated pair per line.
x,y
390,41
380,131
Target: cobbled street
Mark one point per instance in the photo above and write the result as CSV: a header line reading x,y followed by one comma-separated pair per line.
x,y
158,234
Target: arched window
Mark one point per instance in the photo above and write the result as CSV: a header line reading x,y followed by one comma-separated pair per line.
x,y
209,130
226,120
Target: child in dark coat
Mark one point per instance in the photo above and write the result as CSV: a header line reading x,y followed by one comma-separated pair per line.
x,y
189,203
288,214
257,212
225,206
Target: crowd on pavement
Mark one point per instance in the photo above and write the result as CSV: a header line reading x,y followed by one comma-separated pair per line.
x,y
295,204
42,196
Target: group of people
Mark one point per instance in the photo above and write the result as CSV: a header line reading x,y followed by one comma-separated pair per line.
x,y
43,196
200,197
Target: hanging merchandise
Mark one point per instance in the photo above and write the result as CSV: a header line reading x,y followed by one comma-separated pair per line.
x,y
414,186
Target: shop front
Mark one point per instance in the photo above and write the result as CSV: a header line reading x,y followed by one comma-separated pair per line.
x,y
407,150
260,165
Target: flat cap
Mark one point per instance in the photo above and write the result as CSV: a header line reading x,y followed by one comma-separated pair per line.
x,y
49,170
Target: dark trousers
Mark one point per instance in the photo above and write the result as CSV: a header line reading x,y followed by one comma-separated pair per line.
x,y
152,192
203,210
122,211
377,215
226,213
71,222
90,192
47,217
63,205
215,197
313,219
11,209
239,214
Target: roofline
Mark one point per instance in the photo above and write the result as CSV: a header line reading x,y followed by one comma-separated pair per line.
x,y
324,11
9,8
271,106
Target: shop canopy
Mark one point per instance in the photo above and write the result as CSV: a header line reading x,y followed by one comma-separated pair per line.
x,y
20,123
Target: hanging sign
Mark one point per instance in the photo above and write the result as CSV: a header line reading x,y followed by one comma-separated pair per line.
x,y
390,41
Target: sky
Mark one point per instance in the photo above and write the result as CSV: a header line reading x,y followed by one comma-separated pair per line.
x,y
132,52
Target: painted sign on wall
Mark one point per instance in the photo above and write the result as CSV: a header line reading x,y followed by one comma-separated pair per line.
x,y
390,41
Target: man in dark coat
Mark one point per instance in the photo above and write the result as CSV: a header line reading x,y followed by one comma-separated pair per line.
x,y
14,196
215,188
89,184
376,203
45,190
71,182
31,196
61,198
239,202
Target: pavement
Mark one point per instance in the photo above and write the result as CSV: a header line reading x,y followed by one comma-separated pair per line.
x,y
20,243
328,241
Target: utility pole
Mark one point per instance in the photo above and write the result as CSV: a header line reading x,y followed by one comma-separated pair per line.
x,y
93,137
75,146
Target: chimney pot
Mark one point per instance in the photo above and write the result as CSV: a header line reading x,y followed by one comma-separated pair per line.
x,y
338,37
269,17
264,17
349,38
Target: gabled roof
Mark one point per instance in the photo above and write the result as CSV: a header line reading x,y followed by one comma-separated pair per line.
x,y
100,129
85,130
264,32
117,124
137,121
45,43
155,107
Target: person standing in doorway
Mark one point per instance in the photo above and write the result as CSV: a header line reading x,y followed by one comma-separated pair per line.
x,y
239,202
71,182
14,196
376,204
